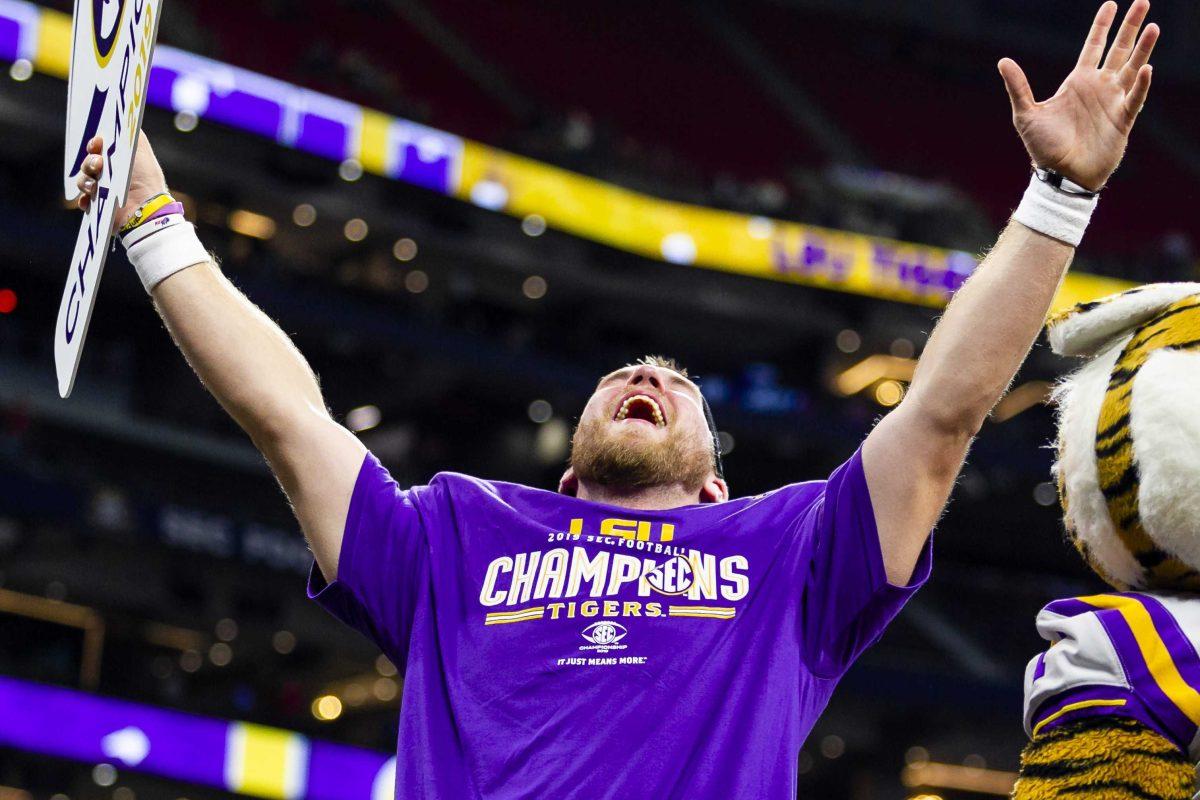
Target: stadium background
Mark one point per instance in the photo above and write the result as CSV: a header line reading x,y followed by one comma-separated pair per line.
x,y
460,286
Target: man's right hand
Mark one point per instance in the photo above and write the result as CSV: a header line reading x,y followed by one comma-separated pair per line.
x,y
146,181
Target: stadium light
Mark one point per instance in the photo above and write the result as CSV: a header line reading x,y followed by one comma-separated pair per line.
x,y
226,629
540,411
534,225
327,708
848,341
833,746
363,418
888,393
104,775
871,369
186,121
1022,398
350,170
304,215
220,654
952,776
404,249
356,229
489,194
248,223
679,248
760,228
902,348
283,642
21,70
534,287
416,281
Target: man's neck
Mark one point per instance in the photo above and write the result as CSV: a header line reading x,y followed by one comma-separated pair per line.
x,y
648,498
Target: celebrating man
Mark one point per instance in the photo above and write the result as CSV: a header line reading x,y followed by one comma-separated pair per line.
x,y
639,633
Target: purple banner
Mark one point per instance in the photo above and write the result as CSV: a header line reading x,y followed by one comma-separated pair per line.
x,y
193,749
295,117
18,29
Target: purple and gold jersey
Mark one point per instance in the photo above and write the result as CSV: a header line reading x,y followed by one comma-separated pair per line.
x,y
1131,655
554,647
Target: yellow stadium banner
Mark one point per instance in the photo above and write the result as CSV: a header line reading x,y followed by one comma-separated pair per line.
x,y
635,222
722,240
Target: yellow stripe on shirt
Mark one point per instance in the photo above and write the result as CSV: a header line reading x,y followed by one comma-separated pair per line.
x,y
1069,707
505,617
712,612
1154,651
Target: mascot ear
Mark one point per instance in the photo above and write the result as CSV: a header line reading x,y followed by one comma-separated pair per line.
x,y
1136,520
1089,328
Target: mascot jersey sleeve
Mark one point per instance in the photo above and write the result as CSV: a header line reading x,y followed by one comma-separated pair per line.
x,y
1130,655
554,647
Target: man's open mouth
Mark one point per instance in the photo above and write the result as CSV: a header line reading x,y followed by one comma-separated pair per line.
x,y
643,407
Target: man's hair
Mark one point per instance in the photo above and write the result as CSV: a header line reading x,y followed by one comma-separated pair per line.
x,y
662,362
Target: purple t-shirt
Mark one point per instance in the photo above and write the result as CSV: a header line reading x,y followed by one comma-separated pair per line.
x,y
555,647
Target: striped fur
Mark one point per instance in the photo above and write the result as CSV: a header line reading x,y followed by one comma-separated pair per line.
x,y
1178,328
1103,758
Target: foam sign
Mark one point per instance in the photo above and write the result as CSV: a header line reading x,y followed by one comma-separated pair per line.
x,y
112,42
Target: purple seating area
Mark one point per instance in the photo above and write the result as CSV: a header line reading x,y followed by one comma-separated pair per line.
x,y
653,73
937,109
371,57
667,107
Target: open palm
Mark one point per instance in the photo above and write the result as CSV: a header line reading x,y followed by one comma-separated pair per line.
x,y
1081,131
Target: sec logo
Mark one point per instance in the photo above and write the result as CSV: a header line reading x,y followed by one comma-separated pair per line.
x,y
605,633
672,577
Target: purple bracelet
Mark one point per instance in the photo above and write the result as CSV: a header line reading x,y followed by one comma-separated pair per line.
x,y
169,208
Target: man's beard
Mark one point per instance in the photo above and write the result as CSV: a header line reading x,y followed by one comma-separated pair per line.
x,y
603,453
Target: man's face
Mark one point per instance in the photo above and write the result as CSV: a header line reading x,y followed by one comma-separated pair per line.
x,y
643,426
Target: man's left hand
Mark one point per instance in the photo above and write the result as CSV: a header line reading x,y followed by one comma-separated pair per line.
x,y
1082,130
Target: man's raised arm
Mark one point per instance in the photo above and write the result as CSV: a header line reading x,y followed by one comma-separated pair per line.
x,y
252,368
914,455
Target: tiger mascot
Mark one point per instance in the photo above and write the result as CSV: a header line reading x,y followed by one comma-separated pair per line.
x,y
1112,707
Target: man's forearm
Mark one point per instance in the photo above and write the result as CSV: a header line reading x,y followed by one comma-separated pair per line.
x,y
913,456
248,364
988,329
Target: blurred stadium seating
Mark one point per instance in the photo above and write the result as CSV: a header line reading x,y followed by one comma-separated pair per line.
x,y
145,552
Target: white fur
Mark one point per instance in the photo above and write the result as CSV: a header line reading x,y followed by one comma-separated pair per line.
x,y
1080,397
1166,446
1089,332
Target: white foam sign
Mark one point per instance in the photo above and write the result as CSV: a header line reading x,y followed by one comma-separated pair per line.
x,y
111,48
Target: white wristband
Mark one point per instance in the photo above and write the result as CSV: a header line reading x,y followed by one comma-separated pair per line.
x,y
162,250
1057,214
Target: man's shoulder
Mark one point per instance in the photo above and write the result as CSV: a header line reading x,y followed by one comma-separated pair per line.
x,y
801,494
783,508
458,484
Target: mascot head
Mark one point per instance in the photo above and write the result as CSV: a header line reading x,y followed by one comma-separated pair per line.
x,y
1128,464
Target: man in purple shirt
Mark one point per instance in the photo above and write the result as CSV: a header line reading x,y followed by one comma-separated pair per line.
x,y
638,633
652,640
